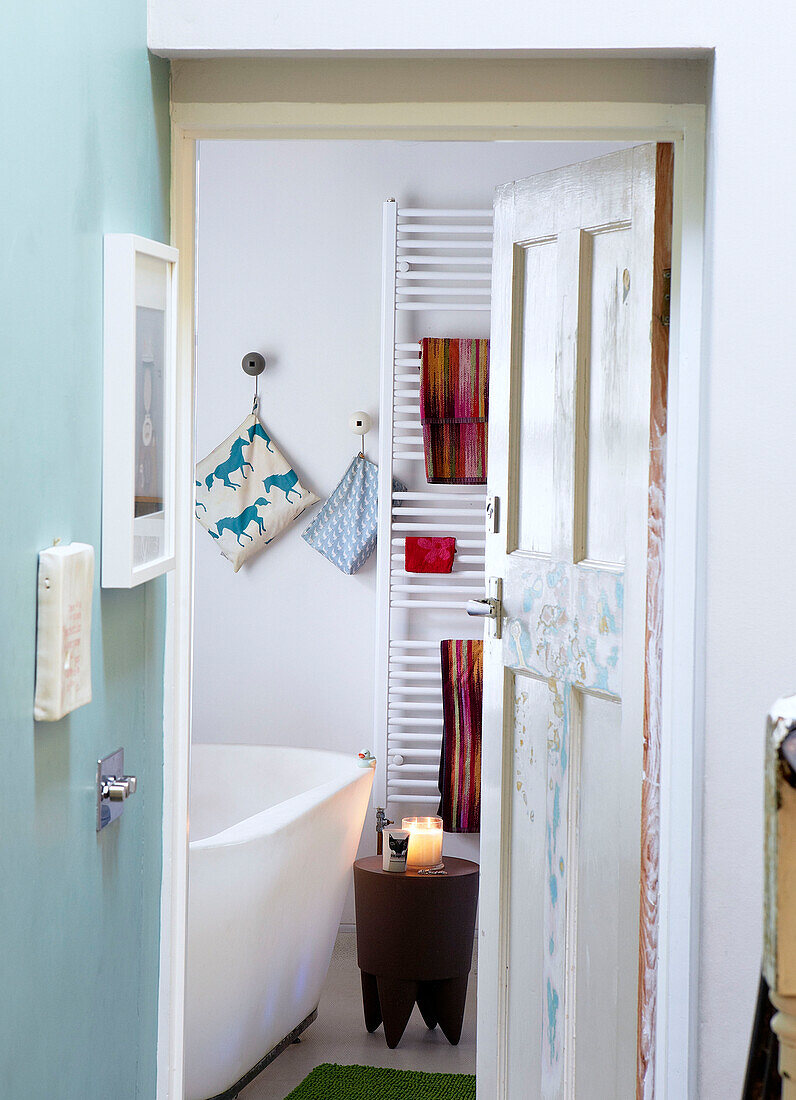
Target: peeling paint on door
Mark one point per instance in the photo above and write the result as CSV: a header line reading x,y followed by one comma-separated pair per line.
x,y
568,636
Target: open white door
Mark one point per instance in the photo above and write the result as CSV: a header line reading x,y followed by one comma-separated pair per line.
x,y
571,709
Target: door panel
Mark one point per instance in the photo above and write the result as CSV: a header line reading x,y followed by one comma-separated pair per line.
x,y
569,458
535,264
602,378
601,955
529,779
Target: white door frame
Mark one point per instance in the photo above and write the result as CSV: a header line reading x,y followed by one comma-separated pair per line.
x,y
684,589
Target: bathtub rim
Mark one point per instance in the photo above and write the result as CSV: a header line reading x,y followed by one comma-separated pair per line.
x,y
274,818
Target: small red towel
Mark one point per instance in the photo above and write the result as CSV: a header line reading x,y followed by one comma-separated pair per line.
x,y
433,555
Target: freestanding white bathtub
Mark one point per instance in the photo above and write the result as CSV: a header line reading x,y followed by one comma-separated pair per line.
x,y
273,834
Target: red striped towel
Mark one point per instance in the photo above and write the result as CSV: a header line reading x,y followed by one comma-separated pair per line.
x,y
460,761
454,397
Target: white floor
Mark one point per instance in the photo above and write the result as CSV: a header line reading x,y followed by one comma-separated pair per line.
x,y
338,1035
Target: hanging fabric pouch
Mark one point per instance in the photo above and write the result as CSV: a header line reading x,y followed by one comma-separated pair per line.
x,y
344,530
247,493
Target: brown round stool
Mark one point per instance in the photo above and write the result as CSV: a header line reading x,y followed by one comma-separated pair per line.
x,y
415,944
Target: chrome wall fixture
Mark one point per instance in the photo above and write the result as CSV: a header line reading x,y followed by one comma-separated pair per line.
x,y
113,788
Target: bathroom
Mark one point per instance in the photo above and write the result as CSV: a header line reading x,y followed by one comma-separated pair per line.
x,y
101,141
286,649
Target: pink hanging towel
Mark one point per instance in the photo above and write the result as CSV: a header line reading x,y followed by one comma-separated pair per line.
x,y
460,761
454,396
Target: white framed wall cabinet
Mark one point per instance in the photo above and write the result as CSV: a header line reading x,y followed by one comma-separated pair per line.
x,y
139,410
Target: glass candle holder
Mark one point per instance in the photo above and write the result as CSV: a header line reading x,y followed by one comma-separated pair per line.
x,y
425,842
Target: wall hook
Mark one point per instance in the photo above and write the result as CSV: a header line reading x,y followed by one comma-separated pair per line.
x,y
253,364
360,424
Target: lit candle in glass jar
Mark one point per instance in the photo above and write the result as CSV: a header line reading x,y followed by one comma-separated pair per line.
x,y
425,842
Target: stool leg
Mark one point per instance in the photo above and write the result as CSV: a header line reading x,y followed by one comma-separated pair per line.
x,y
427,1003
450,996
397,999
370,1001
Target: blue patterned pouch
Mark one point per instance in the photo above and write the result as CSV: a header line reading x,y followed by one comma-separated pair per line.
x,y
344,530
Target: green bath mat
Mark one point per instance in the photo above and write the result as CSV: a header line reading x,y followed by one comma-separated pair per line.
x,y
329,1082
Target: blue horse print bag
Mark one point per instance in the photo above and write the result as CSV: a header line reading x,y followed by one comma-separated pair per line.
x,y
247,492
344,530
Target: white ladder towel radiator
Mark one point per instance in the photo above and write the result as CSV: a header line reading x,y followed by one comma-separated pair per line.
x,y
436,281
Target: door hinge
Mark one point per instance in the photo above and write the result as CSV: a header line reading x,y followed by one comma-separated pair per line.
x,y
667,296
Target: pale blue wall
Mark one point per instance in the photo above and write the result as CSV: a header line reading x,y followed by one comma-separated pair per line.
x,y
85,151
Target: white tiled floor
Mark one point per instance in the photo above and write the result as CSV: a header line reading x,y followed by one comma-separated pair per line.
x,y
338,1035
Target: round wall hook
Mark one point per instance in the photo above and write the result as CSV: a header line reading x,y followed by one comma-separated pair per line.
x,y
360,424
253,363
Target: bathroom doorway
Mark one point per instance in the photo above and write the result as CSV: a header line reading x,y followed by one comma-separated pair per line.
x,y
283,671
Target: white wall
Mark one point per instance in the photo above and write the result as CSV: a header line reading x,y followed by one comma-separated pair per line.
x,y
289,263
251,28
